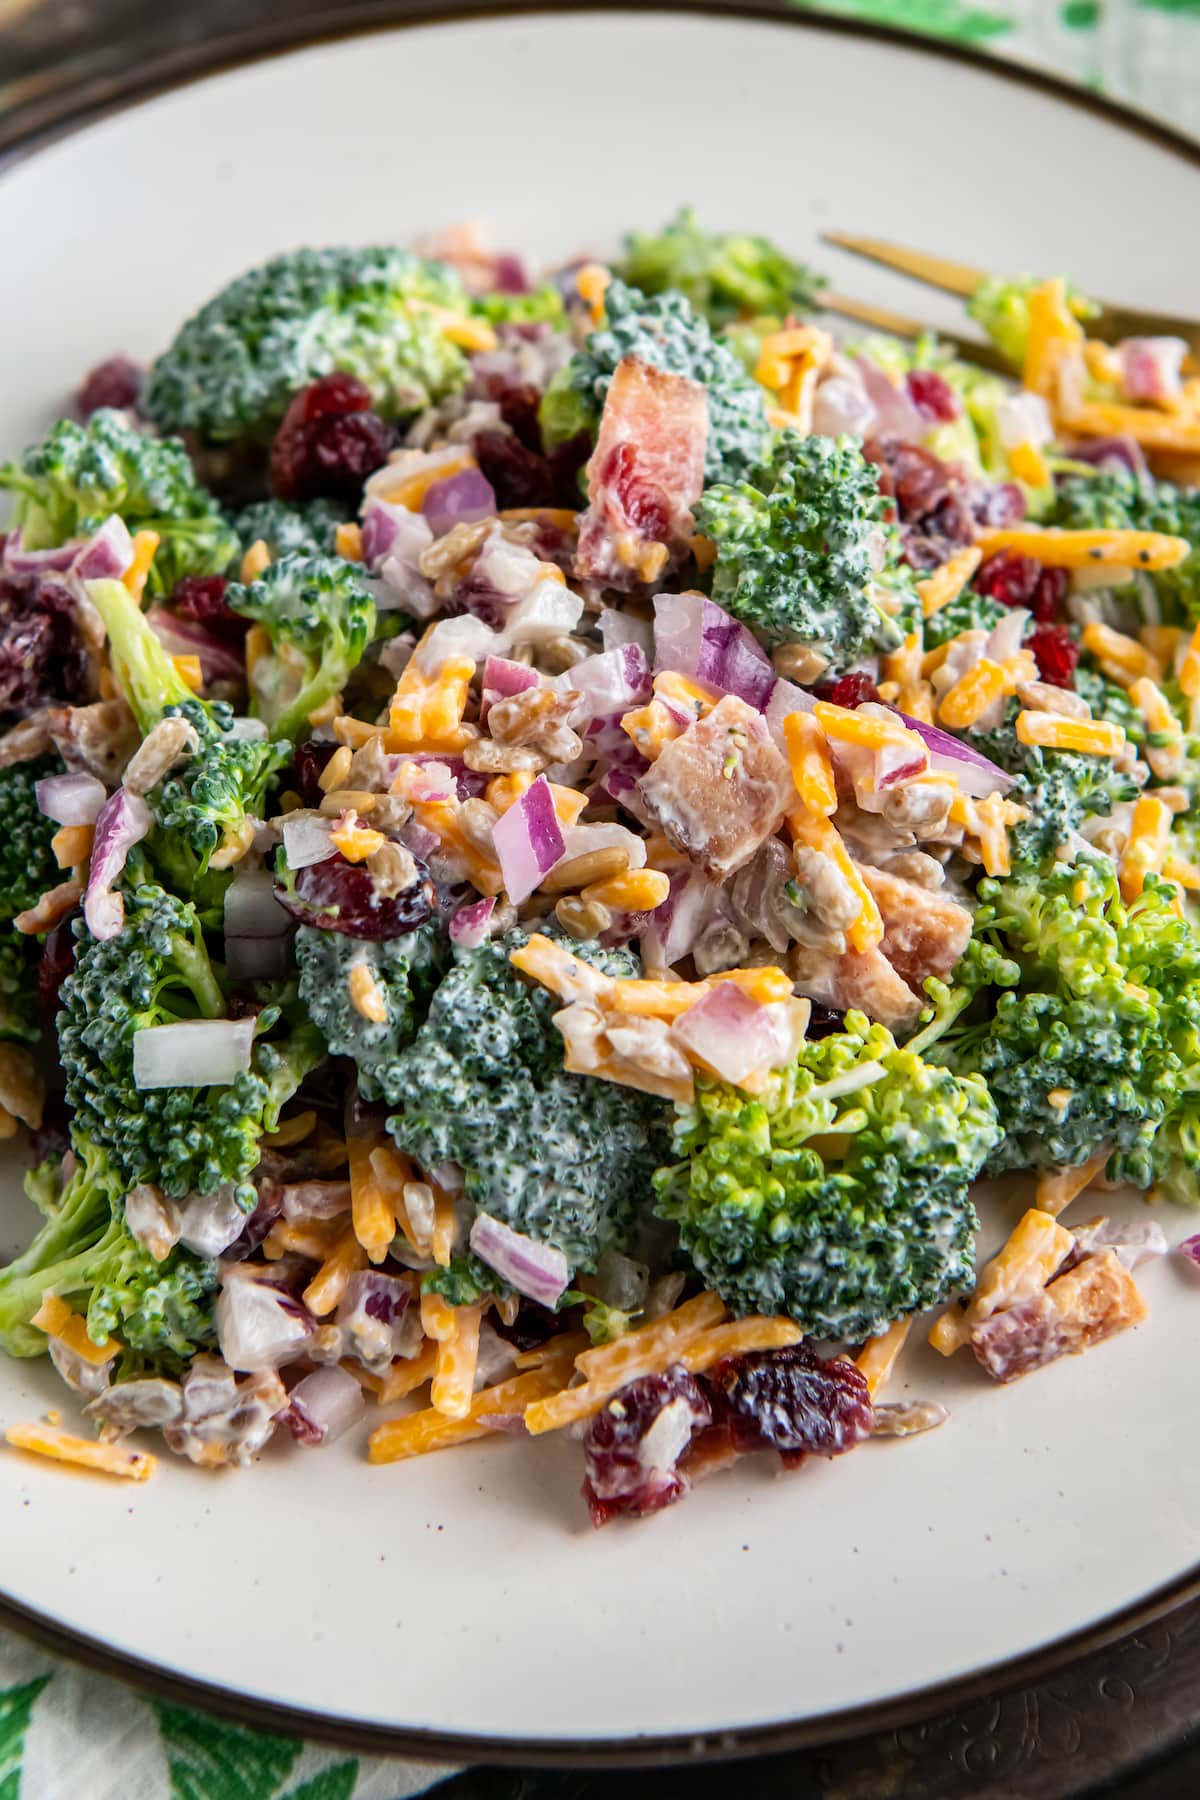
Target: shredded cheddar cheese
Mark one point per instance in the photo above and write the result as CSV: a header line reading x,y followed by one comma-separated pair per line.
x,y
865,930
1059,548
1053,731
1017,1272
1146,848
1121,658
947,582
454,1376
1053,331
1189,668
372,1215
61,1446
328,1286
877,1358
145,544
256,560
810,763
1056,1188
972,694
421,1433
637,890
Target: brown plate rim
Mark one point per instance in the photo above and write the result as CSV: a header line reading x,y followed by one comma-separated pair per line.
x,y
46,121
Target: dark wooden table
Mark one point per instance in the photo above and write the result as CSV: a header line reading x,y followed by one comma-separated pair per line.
x,y
1122,1720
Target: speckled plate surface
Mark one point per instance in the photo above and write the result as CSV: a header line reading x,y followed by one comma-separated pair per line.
x,y
461,1603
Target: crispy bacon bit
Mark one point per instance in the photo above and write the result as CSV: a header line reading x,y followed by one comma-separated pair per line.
x,y
644,478
923,933
720,790
857,980
1091,1302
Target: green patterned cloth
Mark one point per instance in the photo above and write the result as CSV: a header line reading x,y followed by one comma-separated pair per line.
x,y
66,1732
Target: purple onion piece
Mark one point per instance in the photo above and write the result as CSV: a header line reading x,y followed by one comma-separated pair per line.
x,y
528,840
470,926
107,554
75,799
538,1271
322,1406
462,499
696,637
17,561
987,777
124,820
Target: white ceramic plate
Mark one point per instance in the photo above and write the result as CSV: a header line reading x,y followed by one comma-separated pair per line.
x,y
464,1596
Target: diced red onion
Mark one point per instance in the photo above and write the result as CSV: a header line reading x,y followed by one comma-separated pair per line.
x,y
219,661
471,925
209,1223
785,698
550,611
503,679
1023,418
842,405
698,638
1135,1243
380,523
75,799
404,587
681,918
107,554
617,628
193,1053
37,562
974,773
259,1326
528,840
123,821
1151,368
1004,640
1112,453
895,413
1190,1247
578,840
418,839
314,1199
538,1271
431,780
461,636
894,764
731,1033
609,684
510,274
324,1405
247,731
462,499
306,840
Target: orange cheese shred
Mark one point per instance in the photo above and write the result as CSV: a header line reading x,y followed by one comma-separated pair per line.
x,y
62,1446
877,1358
423,1432
454,1376
371,1211
1056,1188
328,1285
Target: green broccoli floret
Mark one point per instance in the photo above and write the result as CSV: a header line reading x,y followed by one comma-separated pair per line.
x,y
406,970
664,331
1098,1043
563,1158
543,306
1001,305
1060,788
1107,700
319,617
797,549
208,803
969,612
724,275
309,529
234,366
840,1195
86,1254
27,864
21,1008
1122,502
156,971
68,485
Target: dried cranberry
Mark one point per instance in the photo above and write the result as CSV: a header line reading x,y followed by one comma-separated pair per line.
x,y
823,1020
854,689
1008,578
519,476
308,764
915,477
57,958
533,1326
42,657
519,410
997,504
792,1400
1050,595
116,382
1056,653
633,1445
201,598
337,895
331,394
329,457
932,395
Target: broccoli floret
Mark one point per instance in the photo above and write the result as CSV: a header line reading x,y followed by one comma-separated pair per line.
x,y
406,971
543,306
208,804
319,617
69,484
21,1008
1098,1043
234,366
464,1282
725,275
1001,305
1060,788
797,549
309,529
1108,701
27,863
664,331
969,612
560,1157
840,1195
1120,502
156,971
86,1254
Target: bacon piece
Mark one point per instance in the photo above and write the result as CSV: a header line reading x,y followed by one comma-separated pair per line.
x,y
721,788
1091,1302
858,980
923,932
645,475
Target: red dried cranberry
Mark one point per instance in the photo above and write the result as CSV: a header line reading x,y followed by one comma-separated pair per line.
x,y
308,764
851,690
201,598
533,1326
42,658
793,1401
932,395
632,1446
1056,653
1050,595
337,895
57,958
1008,578
331,394
519,476
914,476
822,1019
997,504
643,502
116,382
519,410
329,457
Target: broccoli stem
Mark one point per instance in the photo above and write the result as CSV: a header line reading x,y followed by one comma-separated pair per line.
x,y
148,677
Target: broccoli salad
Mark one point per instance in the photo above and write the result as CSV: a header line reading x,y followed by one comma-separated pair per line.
x,y
557,827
